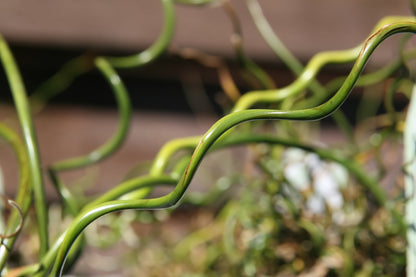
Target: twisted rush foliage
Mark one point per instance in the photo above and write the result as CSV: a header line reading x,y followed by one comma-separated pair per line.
x,y
275,222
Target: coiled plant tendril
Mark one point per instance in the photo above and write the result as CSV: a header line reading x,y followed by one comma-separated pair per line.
x,y
218,129
130,194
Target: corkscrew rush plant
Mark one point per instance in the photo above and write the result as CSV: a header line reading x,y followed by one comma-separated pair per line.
x,y
220,128
132,193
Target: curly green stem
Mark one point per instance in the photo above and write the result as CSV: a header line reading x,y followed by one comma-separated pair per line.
x,y
309,73
82,64
315,113
156,49
112,145
60,81
24,193
124,106
28,129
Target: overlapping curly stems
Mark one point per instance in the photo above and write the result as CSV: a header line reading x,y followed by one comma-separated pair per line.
x,y
222,126
214,138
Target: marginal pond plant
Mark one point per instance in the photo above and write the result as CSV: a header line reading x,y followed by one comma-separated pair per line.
x,y
299,208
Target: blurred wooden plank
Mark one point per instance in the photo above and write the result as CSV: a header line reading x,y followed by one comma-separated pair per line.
x,y
127,25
